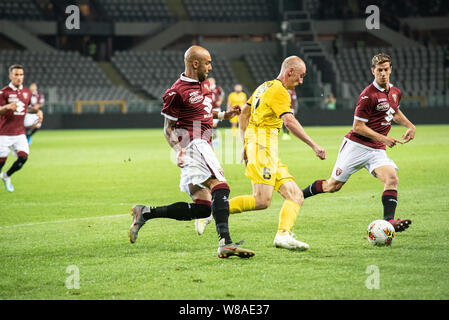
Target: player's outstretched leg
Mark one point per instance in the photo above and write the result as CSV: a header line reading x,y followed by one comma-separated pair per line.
x,y
181,211
138,222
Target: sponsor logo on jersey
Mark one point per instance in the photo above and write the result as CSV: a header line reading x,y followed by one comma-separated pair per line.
x,y
171,93
383,106
383,99
365,97
196,99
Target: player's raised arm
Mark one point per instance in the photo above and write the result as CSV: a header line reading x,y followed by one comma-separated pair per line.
x,y
401,119
298,131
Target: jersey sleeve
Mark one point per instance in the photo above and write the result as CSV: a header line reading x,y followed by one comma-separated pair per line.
x,y
399,98
362,110
2,99
172,104
279,101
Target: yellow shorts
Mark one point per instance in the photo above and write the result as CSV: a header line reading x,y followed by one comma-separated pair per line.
x,y
264,166
234,119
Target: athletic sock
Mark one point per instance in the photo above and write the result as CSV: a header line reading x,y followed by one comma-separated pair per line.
x,y
389,201
242,203
16,166
2,163
287,217
220,209
313,189
182,211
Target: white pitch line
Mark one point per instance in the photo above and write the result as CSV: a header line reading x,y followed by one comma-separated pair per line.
x,y
61,221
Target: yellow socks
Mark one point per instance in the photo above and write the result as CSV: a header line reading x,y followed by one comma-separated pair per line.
x,y
287,217
242,203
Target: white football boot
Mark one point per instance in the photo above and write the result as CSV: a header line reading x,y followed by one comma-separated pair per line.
x,y
201,224
7,181
289,242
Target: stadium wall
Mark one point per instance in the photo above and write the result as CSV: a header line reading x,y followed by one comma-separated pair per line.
x,y
155,120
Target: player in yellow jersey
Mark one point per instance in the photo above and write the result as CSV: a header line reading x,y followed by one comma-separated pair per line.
x,y
236,98
260,123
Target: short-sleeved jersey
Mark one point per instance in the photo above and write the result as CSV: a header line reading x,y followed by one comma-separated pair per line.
x,y
11,122
376,107
268,103
237,98
189,103
37,98
217,95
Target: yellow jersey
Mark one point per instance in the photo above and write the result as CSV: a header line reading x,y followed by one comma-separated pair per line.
x,y
237,99
268,103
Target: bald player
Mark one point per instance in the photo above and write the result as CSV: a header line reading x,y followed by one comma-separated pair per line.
x,y
188,112
260,123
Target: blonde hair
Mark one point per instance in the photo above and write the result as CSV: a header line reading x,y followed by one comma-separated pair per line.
x,y
380,58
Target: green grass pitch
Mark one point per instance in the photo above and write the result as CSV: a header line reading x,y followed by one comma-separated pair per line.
x,y
69,216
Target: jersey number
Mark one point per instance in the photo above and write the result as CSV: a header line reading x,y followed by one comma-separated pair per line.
x,y
208,104
390,116
266,173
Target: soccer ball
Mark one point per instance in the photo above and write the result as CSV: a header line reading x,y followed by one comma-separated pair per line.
x,y
380,233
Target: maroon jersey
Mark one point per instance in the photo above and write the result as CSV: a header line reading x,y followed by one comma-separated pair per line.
x,y
293,98
376,108
37,98
189,103
11,122
217,95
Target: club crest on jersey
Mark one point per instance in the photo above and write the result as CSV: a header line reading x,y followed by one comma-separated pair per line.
x,y
395,96
383,106
25,95
338,172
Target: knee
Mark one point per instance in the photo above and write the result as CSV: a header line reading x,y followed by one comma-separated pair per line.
x,y
392,181
262,201
295,194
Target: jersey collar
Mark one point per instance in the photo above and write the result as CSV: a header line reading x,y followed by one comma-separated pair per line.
x,y
379,87
184,78
14,88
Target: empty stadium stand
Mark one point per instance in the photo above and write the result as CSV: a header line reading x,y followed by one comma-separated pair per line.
x,y
418,71
230,10
154,72
66,77
136,10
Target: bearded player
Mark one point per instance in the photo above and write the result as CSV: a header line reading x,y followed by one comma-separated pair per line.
x,y
364,145
14,103
188,130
